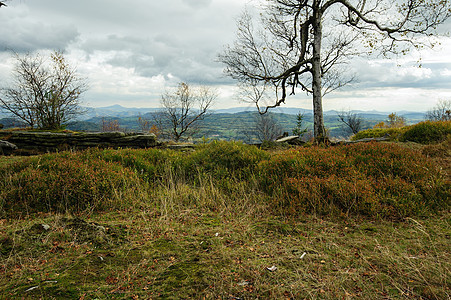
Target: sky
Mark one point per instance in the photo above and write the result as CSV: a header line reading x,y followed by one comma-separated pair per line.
x,y
133,51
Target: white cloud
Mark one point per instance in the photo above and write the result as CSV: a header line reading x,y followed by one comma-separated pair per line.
x,y
446,72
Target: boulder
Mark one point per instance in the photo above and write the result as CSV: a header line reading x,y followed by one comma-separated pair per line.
x,y
291,140
6,148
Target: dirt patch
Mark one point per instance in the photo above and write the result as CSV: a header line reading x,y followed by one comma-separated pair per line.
x,y
77,231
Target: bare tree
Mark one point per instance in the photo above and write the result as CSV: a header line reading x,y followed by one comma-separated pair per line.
x,y
440,112
44,95
183,108
351,120
109,125
302,44
395,121
267,128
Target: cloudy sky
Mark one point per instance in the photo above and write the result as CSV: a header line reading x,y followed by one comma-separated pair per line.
x,y
132,50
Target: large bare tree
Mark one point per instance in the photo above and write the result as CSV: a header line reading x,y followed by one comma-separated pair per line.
x,y
302,44
44,93
183,108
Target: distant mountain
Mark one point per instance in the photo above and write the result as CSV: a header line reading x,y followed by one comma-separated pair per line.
x,y
123,112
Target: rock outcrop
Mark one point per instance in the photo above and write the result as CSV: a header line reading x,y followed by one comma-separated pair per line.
x,y
6,148
291,140
48,141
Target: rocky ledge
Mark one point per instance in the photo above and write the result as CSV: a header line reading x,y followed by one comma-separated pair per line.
x,y
49,141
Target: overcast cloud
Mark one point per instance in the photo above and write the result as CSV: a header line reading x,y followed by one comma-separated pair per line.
x,y
132,50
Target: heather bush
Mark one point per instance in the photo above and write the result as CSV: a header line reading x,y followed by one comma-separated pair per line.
x,y
427,132
148,164
222,160
63,182
369,179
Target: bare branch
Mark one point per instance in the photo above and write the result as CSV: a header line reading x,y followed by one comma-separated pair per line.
x,y
185,107
46,95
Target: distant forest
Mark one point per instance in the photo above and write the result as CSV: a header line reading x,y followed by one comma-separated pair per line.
x,y
239,126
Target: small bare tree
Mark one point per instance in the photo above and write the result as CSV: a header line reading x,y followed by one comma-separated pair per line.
x,y
183,108
440,112
109,125
267,128
43,95
351,120
396,121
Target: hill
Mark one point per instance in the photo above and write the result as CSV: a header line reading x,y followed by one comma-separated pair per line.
x,y
224,124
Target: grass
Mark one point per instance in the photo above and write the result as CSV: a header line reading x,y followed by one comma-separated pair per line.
x,y
195,255
204,226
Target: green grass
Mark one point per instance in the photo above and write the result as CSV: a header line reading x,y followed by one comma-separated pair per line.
x,y
162,224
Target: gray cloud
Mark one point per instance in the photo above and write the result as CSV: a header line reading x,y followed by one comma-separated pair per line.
x,y
21,33
130,43
198,3
178,37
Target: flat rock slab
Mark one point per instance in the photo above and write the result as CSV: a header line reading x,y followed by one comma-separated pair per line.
x,y
49,141
294,139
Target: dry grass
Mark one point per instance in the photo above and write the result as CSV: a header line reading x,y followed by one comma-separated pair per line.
x,y
196,254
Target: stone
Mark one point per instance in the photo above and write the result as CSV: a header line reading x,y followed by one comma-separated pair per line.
x,y
6,148
292,140
48,141
38,229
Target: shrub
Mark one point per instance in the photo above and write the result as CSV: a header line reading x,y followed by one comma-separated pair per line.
x,y
392,133
222,160
148,164
427,132
370,179
62,182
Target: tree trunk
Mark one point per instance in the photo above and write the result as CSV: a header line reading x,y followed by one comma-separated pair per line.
x,y
318,125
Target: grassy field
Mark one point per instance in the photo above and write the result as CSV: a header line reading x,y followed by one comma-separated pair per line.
x,y
228,221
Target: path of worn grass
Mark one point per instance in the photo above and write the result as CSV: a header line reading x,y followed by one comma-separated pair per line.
x,y
143,255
